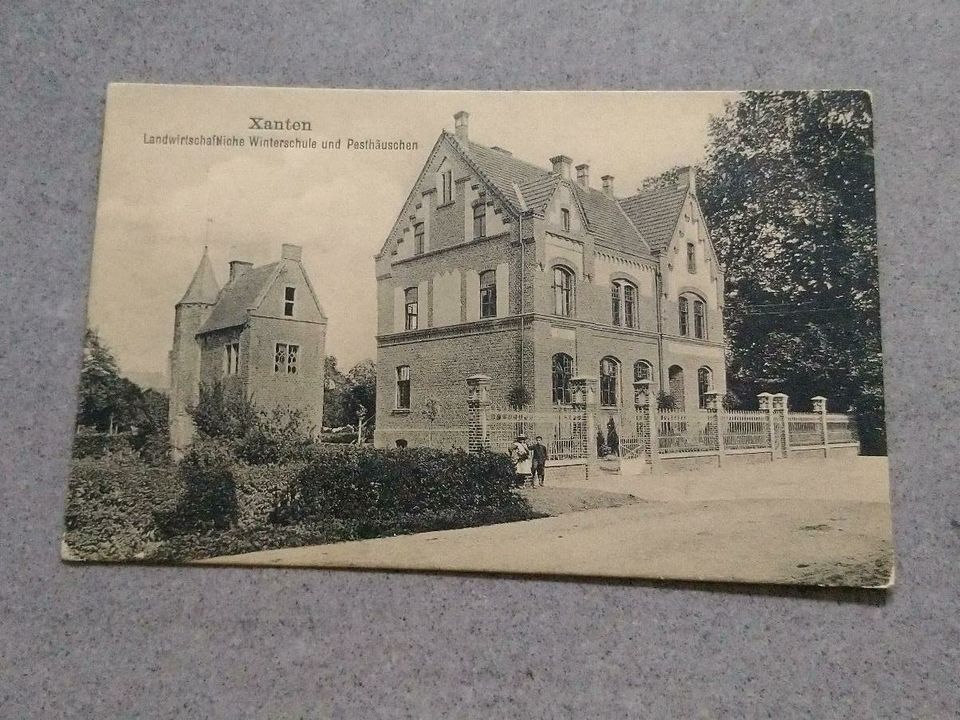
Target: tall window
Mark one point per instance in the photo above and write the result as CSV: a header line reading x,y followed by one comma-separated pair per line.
x,y
704,384
642,370
479,220
609,381
232,358
403,387
285,358
699,319
411,311
447,178
562,372
565,218
623,303
418,239
691,258
488,294
697,325
563,291
289,293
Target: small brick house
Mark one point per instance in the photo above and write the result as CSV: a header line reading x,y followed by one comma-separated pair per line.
x,y
262,335
532,276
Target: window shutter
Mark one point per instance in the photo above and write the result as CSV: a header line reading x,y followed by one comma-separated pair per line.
x,y
473,296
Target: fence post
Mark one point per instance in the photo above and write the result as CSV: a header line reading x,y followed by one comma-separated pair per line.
x,y
781,405
478,403
765,401
820,406
715,406
646,408
584,398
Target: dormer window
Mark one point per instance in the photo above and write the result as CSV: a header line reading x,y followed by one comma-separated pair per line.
x,y
289,295
447,186
565,219
479,220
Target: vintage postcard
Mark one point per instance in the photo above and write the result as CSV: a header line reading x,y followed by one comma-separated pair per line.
x,y
608,334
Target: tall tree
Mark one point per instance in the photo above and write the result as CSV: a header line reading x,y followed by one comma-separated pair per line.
x,y
363,390
336,395
788,190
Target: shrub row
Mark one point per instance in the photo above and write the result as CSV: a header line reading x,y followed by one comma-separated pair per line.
x,y
364,484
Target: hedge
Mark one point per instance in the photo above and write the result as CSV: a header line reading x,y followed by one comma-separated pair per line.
x,y
381,489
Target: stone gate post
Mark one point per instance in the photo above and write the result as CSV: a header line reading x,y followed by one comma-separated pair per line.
x,y
584,398
647,411
715,406
765,401
820,407
478,403
780,405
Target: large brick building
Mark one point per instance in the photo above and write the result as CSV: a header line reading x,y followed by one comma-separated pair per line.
x,y
261,335
532,276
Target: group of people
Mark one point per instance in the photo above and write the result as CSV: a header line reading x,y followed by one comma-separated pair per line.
x,y
529,461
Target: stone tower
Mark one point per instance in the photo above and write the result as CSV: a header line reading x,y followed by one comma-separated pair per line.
x,y
191,313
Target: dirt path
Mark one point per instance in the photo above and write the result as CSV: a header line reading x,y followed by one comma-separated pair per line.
x,y
710,527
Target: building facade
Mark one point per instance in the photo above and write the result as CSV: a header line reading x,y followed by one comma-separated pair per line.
x,y
532,276
261,335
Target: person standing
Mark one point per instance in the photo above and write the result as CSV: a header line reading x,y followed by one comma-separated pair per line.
x,y
538,454
520,456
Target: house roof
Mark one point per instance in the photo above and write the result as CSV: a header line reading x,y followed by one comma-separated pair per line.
x,y
239,297
655,213
204,287
606,221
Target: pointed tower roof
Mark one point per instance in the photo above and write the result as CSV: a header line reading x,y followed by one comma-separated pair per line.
x,y
204,287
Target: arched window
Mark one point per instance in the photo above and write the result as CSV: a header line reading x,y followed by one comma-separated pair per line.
x,y
699,319
623,303
562,372
609,381
411,308
642,370
488,294
563,291
695,326
704,384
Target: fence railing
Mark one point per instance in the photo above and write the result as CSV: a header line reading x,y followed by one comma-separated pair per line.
x,y
563,430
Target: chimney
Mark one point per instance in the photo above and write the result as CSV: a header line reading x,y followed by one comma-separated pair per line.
x,y
461,125
238,268
608,184
583,174
561,166
687,177
291,252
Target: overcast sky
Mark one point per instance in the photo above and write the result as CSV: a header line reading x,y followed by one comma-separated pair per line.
x,y
159,205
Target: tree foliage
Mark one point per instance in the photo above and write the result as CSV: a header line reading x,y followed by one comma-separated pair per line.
x,y
788,191
346,393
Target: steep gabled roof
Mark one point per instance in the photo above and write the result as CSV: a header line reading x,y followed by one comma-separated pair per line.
x,y
204,287
607,222
239,297
503,171
655,213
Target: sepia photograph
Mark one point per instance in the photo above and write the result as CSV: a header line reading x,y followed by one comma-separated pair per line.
x,y
598,334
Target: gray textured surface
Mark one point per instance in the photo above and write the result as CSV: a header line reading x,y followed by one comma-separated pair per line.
x,y
100,642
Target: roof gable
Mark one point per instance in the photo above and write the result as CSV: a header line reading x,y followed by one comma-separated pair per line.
x,y
656,213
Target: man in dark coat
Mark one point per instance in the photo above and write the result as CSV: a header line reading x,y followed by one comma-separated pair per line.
x,y
538,452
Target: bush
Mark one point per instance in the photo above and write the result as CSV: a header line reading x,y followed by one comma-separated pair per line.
x,y
90,443
209,499
384,490
111,502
